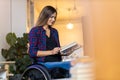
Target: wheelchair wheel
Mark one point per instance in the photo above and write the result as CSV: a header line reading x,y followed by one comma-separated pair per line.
x,y
36,72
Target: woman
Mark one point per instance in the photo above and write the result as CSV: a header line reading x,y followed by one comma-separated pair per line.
x,y
44,41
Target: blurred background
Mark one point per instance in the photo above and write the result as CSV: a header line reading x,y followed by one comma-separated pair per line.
x,y
95,25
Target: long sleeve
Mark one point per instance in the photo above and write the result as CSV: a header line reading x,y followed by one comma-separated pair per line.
x,y
33,41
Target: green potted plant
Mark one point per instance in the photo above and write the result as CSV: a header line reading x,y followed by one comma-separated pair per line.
x,y
17,52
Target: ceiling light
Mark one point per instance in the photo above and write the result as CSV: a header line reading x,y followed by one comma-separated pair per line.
x,y
70,26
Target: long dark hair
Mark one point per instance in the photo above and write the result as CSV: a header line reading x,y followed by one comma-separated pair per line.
x,y
46,12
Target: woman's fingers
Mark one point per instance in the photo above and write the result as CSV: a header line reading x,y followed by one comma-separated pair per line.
x,y
56,50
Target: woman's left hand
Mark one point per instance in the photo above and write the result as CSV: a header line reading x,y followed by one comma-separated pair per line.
x,y
55,50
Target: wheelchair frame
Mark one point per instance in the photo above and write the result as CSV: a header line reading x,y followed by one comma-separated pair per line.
x,y
29,74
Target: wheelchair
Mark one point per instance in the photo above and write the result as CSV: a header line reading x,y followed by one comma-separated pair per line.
x,y
40,72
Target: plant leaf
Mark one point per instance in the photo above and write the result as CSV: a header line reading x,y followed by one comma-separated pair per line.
x,y
11,38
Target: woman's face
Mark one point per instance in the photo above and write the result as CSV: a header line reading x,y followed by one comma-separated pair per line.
x,y
52,19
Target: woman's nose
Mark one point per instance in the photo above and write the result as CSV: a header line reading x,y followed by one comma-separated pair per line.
x,y
53,19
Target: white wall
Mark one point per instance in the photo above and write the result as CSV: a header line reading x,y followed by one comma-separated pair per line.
x,y
19,16
4,22
12,18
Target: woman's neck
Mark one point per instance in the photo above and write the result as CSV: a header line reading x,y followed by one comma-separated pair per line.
x,y
46,27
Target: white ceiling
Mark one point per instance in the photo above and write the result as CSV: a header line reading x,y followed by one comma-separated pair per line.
x,y
67,9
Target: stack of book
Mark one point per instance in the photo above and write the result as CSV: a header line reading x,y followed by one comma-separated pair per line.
x,y
83,71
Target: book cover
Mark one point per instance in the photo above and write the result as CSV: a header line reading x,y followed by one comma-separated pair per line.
x,y
69,49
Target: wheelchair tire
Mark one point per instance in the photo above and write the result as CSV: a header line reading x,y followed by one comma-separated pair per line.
x,y
36,72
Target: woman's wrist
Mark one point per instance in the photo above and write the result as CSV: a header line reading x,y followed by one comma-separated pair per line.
x,y
51,52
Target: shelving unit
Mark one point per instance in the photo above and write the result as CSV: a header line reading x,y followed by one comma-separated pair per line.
x,y
4,73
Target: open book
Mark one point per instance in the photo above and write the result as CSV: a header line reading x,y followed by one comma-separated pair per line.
x,y
69,49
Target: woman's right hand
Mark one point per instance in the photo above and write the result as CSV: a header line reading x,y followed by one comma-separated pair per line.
x,y
55,50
